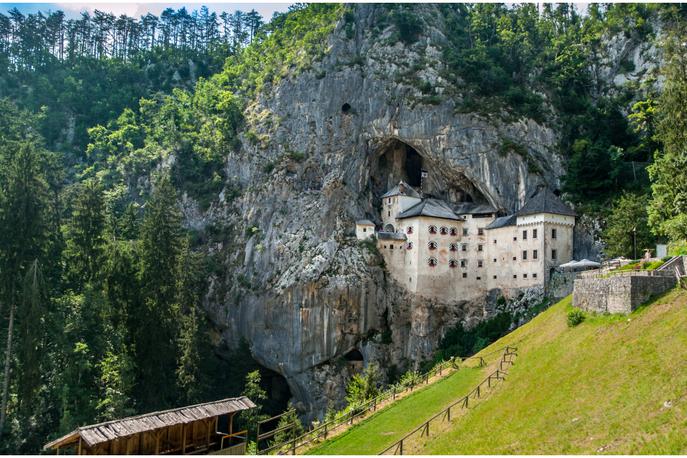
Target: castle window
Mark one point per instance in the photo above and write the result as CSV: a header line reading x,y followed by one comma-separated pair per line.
x,y
432,245
479,263
479,278
534,233
494,259
465,231
480,247
465,275
464,247
443,230
388,213
432,262
409,230
391,247
480,231
432,229
494,277
554,254
463,263
494,241
409,245
385,247
453,247
553,233
524,235
524,275
389,201
534,275
514,258
515,276
453,263
515,239
454,231
535,254
524,255
364,229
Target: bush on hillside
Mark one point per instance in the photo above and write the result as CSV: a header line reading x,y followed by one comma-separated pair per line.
x,y
575,317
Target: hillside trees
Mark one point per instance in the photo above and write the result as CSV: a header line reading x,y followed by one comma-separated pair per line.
x,y
668,205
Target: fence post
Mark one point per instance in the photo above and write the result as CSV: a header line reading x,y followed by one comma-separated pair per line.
x,y
325,430
481,362
478,388
401,448
374,404
489,381
448,411
293,446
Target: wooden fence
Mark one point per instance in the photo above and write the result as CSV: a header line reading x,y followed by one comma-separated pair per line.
x,y
323,431
509,354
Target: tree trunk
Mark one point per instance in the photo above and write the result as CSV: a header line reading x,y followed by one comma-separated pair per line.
x,y
6,378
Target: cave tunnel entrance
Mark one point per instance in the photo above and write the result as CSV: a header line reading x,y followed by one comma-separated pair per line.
x,y
354,355
277,389
395,160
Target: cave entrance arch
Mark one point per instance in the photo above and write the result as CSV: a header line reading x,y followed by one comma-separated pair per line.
x,y
395,161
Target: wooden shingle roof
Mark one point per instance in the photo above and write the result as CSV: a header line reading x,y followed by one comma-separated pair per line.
x,y
115,429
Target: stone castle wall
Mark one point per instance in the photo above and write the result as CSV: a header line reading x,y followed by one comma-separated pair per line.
x,y
620,293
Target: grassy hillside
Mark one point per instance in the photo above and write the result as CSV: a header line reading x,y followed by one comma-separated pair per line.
x,y
613,384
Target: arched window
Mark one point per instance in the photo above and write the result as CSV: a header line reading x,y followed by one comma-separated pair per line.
x,y
432,245
454,231
409,245
432,229
453,263
432,262
454,247
443,230
409,230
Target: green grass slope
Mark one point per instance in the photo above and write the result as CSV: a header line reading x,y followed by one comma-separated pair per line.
x,y
390,424
613,384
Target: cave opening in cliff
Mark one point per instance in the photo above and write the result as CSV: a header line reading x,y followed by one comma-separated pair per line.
x,y
396,161
277,389
354,355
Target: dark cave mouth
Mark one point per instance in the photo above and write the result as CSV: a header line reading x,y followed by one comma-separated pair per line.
x,y
395,160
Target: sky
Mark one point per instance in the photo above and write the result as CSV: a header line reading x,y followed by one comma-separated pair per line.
x,y
73,10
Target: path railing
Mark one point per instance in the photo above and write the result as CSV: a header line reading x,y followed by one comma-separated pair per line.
x,y
324,430
506,360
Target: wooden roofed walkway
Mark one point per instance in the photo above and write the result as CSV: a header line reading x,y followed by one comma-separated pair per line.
x,y
191,429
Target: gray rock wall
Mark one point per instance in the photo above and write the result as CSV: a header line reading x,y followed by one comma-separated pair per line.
x,y
619,293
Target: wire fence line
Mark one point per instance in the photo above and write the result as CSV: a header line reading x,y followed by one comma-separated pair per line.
x,y
324,430
509,355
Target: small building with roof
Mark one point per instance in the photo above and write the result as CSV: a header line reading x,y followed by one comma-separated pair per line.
x,y
461,251
192,429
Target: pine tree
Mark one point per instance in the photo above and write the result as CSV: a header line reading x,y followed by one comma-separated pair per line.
x,y
668,173
253,391
156,335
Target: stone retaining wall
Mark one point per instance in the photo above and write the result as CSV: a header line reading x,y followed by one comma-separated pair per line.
x,y
619,293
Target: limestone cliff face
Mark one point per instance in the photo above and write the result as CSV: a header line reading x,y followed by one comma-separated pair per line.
x,y
317,155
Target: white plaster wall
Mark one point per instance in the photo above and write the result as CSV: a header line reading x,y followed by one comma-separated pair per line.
x,y
363,231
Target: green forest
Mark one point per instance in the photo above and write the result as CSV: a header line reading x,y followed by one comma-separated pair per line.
x,y
101,283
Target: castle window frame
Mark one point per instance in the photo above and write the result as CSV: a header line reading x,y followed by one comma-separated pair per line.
x,y
389,201
464,247
534,233
524,255
479,278
443,230
465,231
453,232
391,247
480,231
494,277
524,275
409,230
534,275
554,254
514,258
554,233
515,276
494,259
524,235
535,254
463,263
432,229
452,263
453,247
480,263
465,275
432,245
515,239
409,246
432,262
480,247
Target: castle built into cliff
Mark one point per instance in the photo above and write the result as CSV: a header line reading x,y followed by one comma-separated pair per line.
x,y
462,251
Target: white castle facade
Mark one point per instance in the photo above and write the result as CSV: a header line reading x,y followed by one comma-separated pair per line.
x,y
460,252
